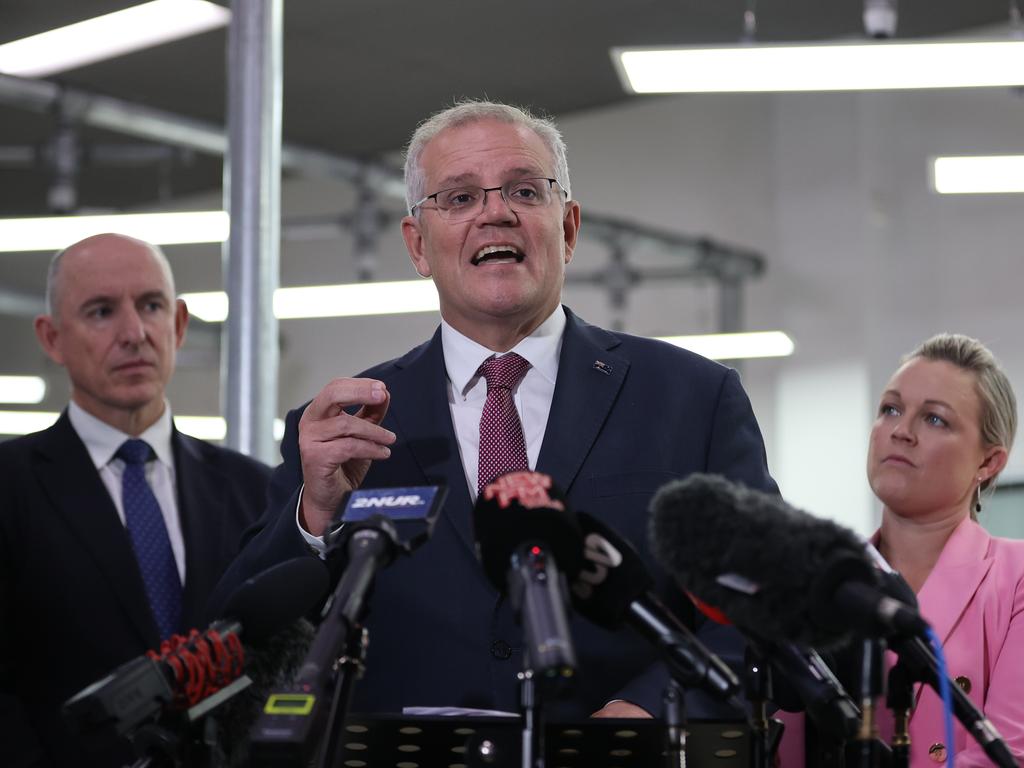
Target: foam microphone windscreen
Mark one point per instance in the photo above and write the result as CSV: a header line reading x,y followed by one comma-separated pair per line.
x,y
274,599
768,566
521,508
271,668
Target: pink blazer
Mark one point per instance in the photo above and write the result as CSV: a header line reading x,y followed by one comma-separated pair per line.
x,y
974,600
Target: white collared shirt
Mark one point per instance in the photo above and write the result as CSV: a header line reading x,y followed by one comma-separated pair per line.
x,y
467,392
102,441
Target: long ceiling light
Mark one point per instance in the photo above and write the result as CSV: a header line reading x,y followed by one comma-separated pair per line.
x,y
406,296
988,174
50,233
110,35
22,389
736,346
837,67
203,427
348,300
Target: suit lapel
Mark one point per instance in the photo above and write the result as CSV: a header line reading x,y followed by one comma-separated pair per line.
x,y
419,408
590,377
955,578
202,510
78,496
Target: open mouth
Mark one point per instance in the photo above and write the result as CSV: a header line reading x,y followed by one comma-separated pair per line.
x,y
498,254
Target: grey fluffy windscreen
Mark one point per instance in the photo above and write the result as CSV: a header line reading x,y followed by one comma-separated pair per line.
x,y
705,527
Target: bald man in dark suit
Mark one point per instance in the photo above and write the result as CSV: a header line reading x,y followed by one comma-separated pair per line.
x,y
80,593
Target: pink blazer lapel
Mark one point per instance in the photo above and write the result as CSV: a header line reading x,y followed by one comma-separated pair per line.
x,y
955,578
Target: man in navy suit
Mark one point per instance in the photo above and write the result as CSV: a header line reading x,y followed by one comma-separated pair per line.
x,y
610,417
76,597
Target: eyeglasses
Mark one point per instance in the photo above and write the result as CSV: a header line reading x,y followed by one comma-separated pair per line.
x,y
521,195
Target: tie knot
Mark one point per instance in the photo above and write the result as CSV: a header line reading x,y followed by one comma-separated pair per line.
x,y
505,371
134,451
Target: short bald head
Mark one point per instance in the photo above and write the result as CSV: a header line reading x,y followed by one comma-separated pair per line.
x,y
94,244
115,325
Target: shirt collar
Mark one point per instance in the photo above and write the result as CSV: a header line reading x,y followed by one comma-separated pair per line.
x,y
463,356
103,440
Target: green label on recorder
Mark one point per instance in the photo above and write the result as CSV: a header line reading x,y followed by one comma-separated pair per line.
x,y
289,704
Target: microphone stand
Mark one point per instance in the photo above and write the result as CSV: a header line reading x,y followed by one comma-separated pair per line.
x,y
900,699
350,667
538,594
675,725
922,666
758,683
872,687
334,661
533,728
369,549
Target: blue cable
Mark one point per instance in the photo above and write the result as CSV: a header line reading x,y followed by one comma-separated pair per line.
x,y
945,693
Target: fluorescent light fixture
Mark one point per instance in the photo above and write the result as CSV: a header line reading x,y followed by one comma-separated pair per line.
x,y
214,427
203,427
23,422
348,300
113,34
836,67
22,389
978,175
51,233
736,346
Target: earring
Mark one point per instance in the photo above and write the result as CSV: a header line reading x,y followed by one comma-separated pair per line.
x,y
977,502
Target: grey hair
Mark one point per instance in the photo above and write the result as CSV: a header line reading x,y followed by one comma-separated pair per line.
x,y
53,272
998,421
472,111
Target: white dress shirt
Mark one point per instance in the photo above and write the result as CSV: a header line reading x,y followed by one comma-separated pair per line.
x,y
467,393
102,442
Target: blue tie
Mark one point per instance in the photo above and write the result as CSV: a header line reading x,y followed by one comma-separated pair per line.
x,y
148,533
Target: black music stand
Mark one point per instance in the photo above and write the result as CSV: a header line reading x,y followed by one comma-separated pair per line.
x,y
387,741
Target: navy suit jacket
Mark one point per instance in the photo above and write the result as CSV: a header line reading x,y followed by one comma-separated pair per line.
x,y
628,415
72,603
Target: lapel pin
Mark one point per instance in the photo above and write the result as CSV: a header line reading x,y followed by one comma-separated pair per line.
x,y
603,367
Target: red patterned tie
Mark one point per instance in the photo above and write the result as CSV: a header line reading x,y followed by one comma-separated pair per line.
x,y
502,446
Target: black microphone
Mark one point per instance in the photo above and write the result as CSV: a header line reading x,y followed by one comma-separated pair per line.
x,y
614,588
200,673
376,526
808,684
922,665
792,576
919,659
821,694
526,539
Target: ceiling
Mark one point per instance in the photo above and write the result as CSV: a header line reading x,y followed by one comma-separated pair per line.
x,y
360,74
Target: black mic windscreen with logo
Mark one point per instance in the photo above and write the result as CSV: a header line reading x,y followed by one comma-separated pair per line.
x,y
612,576
274,599
519,508
770,567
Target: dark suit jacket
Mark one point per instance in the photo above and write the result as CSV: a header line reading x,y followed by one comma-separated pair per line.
x,y
72,603
628,415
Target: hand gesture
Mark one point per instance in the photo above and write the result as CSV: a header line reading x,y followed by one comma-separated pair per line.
x,y
337,447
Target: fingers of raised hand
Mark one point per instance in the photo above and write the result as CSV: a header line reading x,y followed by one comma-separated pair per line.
x,y
340,394
344,437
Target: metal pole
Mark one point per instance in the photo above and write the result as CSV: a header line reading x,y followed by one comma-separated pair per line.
x,y
252,184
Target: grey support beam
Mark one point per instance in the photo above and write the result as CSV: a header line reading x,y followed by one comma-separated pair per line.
x,y
252,195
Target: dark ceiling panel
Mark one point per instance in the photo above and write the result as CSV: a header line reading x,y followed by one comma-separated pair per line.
x,y
360,74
